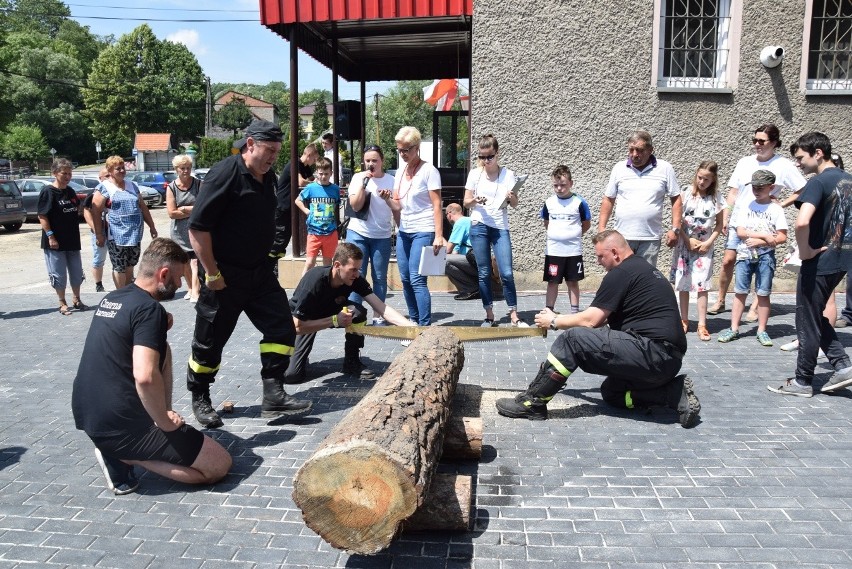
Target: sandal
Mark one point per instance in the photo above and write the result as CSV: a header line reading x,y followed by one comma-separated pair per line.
x,y
685,324
78,305
64,310
718,309
703,334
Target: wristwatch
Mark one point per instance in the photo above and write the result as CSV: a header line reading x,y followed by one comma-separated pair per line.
x,y
676,230
553,322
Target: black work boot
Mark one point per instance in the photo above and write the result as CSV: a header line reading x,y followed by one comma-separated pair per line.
x,y
532,403
203,410
684,401
352,365
276,402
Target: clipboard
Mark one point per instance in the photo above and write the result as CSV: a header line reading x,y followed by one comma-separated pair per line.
x,y
431,264
515,189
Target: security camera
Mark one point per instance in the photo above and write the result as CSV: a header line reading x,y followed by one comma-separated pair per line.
x,y
771,56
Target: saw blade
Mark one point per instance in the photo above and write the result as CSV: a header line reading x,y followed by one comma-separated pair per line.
x,y
465,333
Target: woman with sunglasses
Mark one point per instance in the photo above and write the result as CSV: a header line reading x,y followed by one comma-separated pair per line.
x,y
371,189
487,193
416,205
764,141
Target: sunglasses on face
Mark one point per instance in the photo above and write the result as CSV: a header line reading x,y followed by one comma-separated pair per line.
x,y
374,148
405,150
488,158
759,141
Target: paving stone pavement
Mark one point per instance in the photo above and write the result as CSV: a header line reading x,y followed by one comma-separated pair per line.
x,y
762,482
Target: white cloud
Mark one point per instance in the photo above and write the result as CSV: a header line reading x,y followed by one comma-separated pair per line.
x,y
190,39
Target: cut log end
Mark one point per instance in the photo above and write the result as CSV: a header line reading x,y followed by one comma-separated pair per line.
x,y
355,499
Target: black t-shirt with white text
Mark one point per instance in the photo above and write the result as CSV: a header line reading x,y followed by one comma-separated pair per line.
x,y
315,298
830,192
104,398
61,209
641,300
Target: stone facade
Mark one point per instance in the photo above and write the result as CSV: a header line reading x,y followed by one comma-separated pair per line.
x,y
567,81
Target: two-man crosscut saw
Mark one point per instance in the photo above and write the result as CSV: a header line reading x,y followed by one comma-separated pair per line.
x,y
464,333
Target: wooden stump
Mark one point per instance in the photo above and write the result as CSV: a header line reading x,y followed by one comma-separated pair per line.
x,y
463,438
446,506
372,471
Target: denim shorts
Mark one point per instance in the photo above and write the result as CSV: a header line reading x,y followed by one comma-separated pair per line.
x,y
733,239
99,254
763,269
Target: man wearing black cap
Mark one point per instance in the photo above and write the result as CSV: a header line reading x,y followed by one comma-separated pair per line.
x,y
232,227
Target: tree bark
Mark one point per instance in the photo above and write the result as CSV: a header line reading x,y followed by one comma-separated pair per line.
x,y
372,471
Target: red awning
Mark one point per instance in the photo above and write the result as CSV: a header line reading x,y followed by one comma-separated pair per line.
x,y
379,40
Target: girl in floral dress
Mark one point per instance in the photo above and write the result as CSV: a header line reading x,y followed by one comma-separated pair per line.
x,y
692,259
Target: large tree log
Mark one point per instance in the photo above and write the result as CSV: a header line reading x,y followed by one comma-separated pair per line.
x,y
372,471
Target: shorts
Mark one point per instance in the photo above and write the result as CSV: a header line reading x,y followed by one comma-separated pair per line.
x,y
181,446
325,243
733,239
62,266
568,268
763,270
121,257
99,254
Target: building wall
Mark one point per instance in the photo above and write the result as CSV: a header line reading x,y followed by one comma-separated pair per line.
x,y
566,82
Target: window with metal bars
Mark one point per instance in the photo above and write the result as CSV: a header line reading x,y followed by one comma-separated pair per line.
x,y
693,44
829,56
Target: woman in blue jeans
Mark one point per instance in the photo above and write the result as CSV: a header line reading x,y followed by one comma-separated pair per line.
x,y
488,193
416,205
371,190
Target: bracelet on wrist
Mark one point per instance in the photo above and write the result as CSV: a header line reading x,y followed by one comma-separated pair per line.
x,y
49,233
334,323
211,278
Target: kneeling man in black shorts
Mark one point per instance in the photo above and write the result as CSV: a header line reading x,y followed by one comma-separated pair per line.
x,y
122,395
631,334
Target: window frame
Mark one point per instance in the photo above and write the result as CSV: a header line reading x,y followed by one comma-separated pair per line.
x,y
817,86
725,81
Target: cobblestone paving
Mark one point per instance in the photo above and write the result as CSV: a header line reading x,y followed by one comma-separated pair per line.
x,y
761,482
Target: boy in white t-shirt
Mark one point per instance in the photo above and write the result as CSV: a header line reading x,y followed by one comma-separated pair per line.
x,y
566,217
761,227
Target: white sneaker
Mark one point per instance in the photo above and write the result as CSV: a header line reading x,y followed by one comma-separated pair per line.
x,y
790,346
488,324
520,324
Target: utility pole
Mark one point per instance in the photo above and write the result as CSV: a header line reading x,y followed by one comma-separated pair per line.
x,y
376,116
208,106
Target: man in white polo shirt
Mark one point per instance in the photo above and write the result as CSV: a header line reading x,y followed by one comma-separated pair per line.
x,y
640,187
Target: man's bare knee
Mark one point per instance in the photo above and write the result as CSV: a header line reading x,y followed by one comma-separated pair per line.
x,y
213,462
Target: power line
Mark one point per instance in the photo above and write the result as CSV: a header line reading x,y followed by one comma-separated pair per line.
x,y
163,9
124,18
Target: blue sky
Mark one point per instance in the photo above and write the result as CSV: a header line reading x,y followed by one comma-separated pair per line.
x,y
229,52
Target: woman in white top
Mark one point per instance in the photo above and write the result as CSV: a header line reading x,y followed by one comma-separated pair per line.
x,y
488,192
765,142
372,189
417,207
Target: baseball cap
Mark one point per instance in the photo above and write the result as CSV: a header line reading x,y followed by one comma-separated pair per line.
x,y
260,129
762,178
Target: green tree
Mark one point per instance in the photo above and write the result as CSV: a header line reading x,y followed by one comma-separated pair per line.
x,y
39,16
142,84
319,122
24,142
310,97
403,105
212,150
234,115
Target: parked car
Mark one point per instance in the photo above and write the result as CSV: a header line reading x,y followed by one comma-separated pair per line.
x,y
31,188
157,180
88,181
200,173
12,211
150,196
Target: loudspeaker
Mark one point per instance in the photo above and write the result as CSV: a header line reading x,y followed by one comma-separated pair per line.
x,y
347,120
